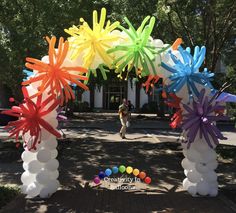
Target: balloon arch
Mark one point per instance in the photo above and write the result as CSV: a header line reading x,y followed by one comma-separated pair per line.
x,y
73,61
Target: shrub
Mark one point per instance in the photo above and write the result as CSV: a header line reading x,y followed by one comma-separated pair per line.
x,y
151,107
7,194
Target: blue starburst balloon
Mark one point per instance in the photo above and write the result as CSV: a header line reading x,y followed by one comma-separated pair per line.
x,y
187,72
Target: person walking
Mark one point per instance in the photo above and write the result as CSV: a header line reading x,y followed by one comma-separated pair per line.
x,y
123,113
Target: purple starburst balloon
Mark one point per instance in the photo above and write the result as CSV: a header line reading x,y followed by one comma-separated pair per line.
x,y
201,117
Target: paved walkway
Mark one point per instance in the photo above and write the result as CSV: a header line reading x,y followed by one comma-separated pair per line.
x,y
92,145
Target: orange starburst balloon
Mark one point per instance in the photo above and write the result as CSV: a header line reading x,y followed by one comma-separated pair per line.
x,y
150,82
53,76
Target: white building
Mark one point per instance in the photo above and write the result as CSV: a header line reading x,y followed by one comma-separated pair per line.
x,y
109,96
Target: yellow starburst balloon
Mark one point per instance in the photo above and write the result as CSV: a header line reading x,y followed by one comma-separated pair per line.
x,y
92,44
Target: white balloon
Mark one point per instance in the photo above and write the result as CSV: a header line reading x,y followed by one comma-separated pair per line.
x,y
53,185
183,93
34,166
28,156
202,168
31,90
212,165
213,192
33,189
186,164
52,165
186,183
51,143
158,43
49,189
43,177
96,62
201,145
192,189
193,155
45,192
23,189
30,141
194,176
44,155
210,176
36,84
45,59
45,135
51,115
54,153
184,152
52,120
186,172
27,178
208,156
54,175
214,184
25,166
184,146
203,188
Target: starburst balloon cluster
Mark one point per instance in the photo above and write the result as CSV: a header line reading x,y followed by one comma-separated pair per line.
x,y
91,44
200,117
185,71
31,119
52,76
138,50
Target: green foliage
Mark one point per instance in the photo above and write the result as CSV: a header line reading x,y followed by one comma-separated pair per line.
x,y
81,106
7,194
25,23
150,108
23,26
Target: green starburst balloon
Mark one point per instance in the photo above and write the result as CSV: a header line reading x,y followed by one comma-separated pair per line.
x,y
137,50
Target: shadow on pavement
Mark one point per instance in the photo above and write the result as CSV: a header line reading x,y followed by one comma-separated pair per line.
x,y
82,159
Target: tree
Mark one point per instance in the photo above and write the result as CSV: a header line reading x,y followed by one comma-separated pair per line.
x,y
24,24
207,22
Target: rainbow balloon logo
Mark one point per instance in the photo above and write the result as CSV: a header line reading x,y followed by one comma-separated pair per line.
x,y
122,169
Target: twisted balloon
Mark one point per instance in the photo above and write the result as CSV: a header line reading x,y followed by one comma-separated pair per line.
x,y
201,117
92,43
185,71
138,50
174,102
31,118
53,76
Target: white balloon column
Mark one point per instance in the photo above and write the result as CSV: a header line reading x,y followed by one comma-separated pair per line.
x,y
49,85
41,170
199,168
40,164
199,110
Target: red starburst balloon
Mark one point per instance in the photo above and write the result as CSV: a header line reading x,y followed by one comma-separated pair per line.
x,y
31,118
177,117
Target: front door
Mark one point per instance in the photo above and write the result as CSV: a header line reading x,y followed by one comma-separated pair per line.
x,y
114,94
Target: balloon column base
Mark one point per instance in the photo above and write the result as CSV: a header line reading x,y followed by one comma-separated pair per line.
x,y
40,176
199,168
